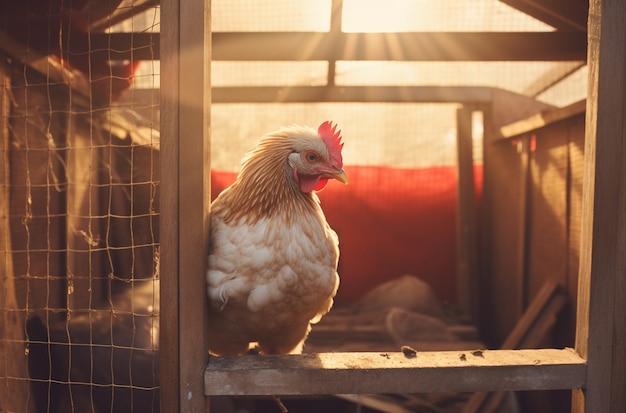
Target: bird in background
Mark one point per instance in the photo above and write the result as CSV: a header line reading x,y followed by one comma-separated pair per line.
x,y
272,263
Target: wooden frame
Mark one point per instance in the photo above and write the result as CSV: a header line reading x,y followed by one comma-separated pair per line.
x,y
601,330
185,178
595,370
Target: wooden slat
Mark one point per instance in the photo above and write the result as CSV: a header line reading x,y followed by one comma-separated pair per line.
x,y
413,46
562,14
14,386
357,373
295,94
47,66
601,326
540,120
466,236
123,13
529,332
185,117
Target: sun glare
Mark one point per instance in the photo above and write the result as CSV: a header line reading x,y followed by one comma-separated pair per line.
x,y
378,16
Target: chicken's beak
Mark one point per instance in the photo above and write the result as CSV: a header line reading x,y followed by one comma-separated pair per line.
x,y
341,176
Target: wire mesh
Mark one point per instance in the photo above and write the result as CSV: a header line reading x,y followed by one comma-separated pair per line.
x,y
80,178
80,202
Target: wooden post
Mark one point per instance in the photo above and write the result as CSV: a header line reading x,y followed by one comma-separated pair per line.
x,y
467,239
14,388
601,327
185,188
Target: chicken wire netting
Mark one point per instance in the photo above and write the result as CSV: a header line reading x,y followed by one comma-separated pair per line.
x,y
403,153
80,271
80,171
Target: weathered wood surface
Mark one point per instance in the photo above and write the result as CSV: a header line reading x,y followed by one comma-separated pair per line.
x,y
291,94
442,46
529,332
416,46
185,172
540,120
357,373
601,330
14,388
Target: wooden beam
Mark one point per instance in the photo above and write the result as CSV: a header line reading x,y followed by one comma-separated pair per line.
x,y
538,319
466,235
358,373
413,46
15,390
540,120
406,94
185,193
601,329
561,14
123,13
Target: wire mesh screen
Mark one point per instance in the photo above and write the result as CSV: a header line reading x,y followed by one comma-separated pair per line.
x,y
79,192
80,208
389,136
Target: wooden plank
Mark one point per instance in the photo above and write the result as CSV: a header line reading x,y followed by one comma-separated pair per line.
x,y
503,216
420,46
48,66
540,120
296,94
529,332
169,350
561,14
14,386
601,330
358,373
414,46
185,117
123,13
467,238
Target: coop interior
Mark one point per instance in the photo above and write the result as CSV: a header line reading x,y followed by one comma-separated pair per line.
x,y
463,129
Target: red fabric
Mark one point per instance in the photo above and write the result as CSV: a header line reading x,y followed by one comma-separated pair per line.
x,y
390,222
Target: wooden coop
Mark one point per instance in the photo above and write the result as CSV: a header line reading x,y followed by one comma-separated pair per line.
x,y
482,232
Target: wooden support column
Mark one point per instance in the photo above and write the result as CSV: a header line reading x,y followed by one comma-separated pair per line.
x,y
467,239
185,189
601,327
15,394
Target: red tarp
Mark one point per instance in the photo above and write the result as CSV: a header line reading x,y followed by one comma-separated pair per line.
x,y
390,222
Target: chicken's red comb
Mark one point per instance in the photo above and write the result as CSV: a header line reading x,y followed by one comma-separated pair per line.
x,y
332,139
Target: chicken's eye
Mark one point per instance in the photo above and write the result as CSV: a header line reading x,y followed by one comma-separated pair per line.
x,y
311,157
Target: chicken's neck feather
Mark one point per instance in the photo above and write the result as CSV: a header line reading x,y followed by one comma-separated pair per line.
x,y
265,186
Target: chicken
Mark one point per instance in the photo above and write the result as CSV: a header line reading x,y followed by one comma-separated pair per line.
x,y
273,257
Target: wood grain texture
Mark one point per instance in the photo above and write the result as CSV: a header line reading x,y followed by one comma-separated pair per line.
x,y
358,373
467,236
415,46
14,388
422,46
185,114
601,328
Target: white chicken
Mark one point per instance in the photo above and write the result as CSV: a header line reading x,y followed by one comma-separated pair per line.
x,y
273,257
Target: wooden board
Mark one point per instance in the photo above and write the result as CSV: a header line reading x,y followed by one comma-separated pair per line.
x,y
358,373
14,388
416,46
185,181
529,332
601,330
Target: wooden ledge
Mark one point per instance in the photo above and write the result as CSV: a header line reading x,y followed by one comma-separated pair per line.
x,y
358,373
